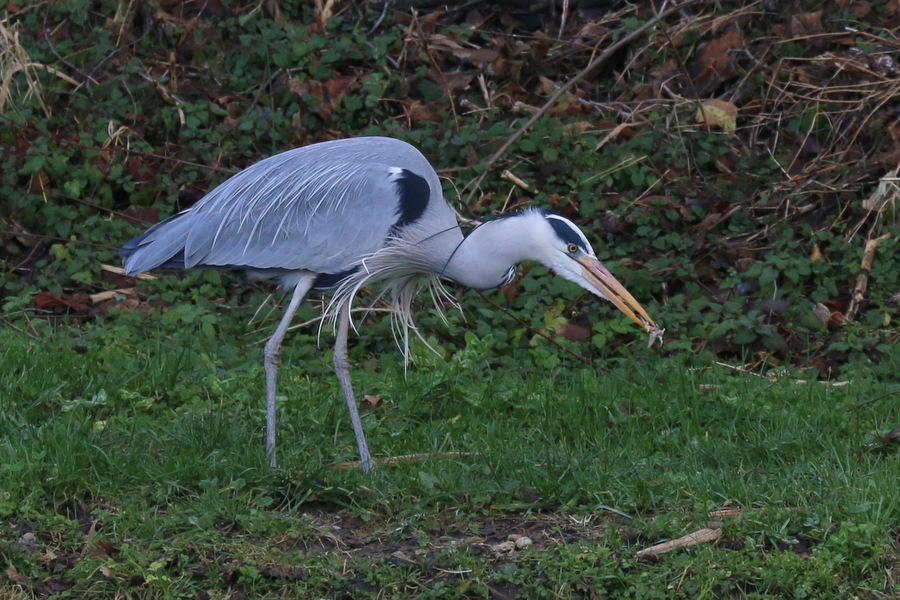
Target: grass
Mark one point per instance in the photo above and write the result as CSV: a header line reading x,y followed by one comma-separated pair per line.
x,y
133,452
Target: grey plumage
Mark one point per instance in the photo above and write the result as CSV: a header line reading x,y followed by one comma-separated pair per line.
x,y
350,213
284,219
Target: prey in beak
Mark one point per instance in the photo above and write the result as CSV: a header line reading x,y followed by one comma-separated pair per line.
x,y
597,278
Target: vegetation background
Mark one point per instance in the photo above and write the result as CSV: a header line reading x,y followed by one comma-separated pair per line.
x,y
735,163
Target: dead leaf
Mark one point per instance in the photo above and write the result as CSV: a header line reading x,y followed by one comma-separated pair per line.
x,y
717,57
51,302
860,9
337,87
573,333
300,86
483,56
417,112
806,24
831,319
102,549
743,264
816,254
14,575
666,71
511,290
324,11
371,402
718,113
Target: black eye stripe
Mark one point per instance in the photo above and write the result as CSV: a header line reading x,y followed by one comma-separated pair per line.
x,y
565,232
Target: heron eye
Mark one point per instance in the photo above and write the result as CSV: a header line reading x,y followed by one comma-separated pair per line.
x,y
572,248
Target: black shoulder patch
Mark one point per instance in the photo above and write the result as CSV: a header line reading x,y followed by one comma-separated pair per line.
x,y
413,194
565,232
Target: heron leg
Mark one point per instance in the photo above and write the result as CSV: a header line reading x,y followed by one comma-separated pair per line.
x,y
342,370
272,356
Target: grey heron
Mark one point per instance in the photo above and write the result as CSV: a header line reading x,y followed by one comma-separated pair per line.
x,y
343,214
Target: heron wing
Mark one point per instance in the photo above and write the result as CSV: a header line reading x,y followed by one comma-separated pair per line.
x,y
320,208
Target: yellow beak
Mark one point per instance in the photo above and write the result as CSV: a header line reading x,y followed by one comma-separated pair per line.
x,y
603,282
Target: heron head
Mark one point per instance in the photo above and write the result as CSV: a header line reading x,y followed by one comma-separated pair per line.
x,y
565,249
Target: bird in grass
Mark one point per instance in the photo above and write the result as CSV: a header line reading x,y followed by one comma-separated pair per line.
x,y
348,213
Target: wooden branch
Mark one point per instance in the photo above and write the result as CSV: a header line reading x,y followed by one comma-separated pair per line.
x,y
111,294
862,281
701,536
120,271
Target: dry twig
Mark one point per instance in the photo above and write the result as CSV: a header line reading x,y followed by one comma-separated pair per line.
x,y
701,536
862,281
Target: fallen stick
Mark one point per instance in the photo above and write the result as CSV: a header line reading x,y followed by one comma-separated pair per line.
x,y
110,294
515,179
862,280
121,271
701,536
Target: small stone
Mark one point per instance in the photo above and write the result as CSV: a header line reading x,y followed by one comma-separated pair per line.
x,y
503,548
523,542
28,542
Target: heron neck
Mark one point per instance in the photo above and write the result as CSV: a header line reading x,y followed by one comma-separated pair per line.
x,y
485,257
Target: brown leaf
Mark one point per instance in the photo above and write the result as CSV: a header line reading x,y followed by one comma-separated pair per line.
x,y
141,216
459,80
326,111
300,86
860,9
892,9
483,56
337,87
511,291
417,112
666,71
717,57
102,549
816,254
831,319
743,264
371,402
61,302
805,24
471,157
14,575
573,333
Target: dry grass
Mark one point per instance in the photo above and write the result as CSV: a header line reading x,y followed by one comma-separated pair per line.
x,y
14,60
